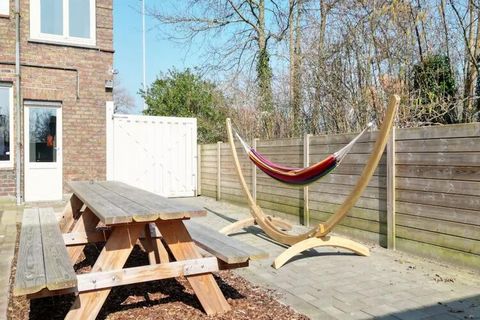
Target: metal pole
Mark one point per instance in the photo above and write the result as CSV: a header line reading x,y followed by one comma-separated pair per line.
x,y
143,46
18,121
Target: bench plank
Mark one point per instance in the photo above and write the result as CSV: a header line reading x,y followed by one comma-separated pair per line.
x,y
59,271
225,248
30,274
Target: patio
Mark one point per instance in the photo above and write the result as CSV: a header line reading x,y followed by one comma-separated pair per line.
x,y
325,284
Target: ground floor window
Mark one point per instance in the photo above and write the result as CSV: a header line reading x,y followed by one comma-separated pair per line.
x,y
6,126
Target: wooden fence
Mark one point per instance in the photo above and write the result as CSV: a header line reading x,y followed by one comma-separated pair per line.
x,y
431,178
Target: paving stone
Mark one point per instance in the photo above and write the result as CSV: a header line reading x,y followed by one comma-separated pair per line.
x,y
324,285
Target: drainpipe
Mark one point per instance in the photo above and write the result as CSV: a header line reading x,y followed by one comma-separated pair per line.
x,y
18,160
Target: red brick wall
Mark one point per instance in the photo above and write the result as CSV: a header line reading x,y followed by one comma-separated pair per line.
x,y
84,141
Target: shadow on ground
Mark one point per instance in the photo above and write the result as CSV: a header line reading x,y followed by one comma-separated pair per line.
x,y
465,308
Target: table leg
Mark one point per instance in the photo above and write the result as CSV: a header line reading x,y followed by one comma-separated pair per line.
x,y
182,247
157,253
113,256
86,222
71,211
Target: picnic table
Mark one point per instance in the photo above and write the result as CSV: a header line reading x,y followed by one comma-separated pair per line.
x,y
121,216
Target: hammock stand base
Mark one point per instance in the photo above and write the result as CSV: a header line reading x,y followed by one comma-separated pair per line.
x,y
319,235
327,241
248,222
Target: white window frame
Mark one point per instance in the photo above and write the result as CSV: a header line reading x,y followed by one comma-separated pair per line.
x,y
4,10
35,23
9,163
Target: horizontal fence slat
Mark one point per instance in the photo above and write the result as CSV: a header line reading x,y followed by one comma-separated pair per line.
x,y
447,172
450,131
439,145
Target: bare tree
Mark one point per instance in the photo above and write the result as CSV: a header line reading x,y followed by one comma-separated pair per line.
x,y
237,34
124,102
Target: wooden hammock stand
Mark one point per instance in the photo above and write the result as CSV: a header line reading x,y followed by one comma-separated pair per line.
x,y
318,236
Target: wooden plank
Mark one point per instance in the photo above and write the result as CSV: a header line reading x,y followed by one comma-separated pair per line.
x,y
447,172
444,240
159,253
219,168
199,171
470,144
83,238
280,196
306,163
109,279
439,213
223,247
359,159
87,222
391,185
439,253
70,213
182,247
360,224
437,132
30,273
471,188
439,199
106,211
362,213
440,159
59,271
113,256
131,208
165,208
274,143
439,227
343,138
360,147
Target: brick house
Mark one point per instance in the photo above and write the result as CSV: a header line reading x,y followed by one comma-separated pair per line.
x,y
65,64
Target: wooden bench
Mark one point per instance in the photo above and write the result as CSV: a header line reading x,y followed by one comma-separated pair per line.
x,y
43,261
227,249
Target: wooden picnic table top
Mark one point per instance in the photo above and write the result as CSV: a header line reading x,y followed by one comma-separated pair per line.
x,y
115,202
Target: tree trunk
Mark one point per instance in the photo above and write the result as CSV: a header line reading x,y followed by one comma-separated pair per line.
x,y
470,65
264,73
317,105
296,84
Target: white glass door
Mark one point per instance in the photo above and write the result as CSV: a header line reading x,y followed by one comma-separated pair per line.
x,y
43,152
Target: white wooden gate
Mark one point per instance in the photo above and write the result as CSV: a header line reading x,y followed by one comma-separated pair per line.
x,y
158,154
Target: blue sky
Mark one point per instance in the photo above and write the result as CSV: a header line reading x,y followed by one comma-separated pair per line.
x,y
161,54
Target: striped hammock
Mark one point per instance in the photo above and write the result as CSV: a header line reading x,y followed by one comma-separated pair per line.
x,y
299,176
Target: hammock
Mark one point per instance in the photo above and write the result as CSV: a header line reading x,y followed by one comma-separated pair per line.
x,y
299,176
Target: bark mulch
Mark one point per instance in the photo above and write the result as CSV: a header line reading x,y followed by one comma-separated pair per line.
x,y
165,299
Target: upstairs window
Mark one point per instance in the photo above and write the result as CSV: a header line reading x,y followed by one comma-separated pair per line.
x,y
6,126
64,21
4,7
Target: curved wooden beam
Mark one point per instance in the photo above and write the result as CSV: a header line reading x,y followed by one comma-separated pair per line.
x,y
328,241
322,229
237,226
368,170
248,222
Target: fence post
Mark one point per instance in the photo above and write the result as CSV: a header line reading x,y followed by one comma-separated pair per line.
x,y
254,173
199,170
219,170
391,191
306,163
